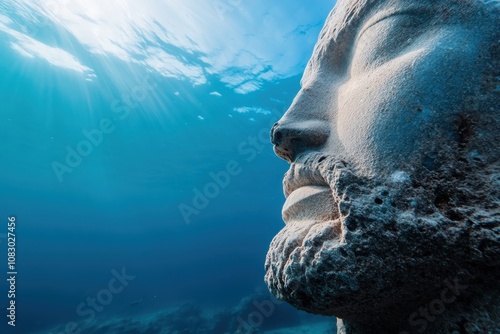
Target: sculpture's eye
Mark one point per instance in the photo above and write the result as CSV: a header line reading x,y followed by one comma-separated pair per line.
x,y
385,39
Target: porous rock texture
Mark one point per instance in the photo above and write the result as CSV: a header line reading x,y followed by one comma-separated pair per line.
x,y
394,247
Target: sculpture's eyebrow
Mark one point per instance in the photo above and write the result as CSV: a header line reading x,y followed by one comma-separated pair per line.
x,y
348,15
346,19
345,16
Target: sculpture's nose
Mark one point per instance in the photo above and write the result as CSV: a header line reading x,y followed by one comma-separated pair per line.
x,y
292,138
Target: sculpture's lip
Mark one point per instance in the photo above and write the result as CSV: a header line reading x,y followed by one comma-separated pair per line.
x,y
308,194
301,175
291,184
309,203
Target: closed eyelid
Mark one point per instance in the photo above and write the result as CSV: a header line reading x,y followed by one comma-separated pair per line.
x,y
379,18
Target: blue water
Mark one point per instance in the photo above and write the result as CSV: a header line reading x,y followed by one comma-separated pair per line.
x,y
114,117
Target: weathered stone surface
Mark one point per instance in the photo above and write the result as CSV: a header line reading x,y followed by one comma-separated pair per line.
x,y
392,213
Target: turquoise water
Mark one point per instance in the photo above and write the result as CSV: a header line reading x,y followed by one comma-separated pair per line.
x,y
135,159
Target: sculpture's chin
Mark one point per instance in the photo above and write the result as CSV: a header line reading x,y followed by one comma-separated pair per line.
x,y
389,248
306,265
299,246
295,254
325,268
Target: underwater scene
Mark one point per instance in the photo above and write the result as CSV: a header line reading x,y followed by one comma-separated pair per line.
x,y
139,187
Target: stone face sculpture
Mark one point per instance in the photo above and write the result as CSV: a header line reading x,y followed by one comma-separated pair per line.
x,y
392,197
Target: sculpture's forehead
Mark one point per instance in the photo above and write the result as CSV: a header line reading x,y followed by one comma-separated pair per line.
x,y
349,15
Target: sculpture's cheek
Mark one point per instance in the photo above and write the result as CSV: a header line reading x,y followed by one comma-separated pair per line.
x,y
390,115
377,116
